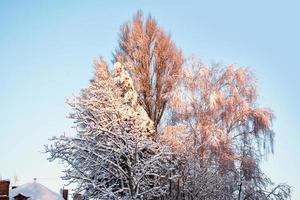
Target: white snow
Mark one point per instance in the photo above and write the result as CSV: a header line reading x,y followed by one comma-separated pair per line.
x,y
35,191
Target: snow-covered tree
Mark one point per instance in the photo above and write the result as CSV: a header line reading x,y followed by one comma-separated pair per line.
x,y
113,155
209,146
153,61
217,119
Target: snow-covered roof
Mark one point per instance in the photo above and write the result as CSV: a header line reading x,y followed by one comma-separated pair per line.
x,y
35,191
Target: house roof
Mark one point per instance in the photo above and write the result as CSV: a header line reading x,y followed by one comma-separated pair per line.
x,y
35,191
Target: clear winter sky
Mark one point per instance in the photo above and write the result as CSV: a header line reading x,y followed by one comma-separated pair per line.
x,y
47,51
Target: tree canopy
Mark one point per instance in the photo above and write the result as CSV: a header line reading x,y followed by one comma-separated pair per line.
x,y
211,143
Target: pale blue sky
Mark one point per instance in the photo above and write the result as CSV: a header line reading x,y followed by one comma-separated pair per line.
x,y
47,50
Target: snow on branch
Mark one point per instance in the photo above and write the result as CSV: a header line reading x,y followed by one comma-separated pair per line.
x,y
114,154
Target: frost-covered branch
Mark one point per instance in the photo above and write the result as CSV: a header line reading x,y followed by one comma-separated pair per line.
x,y
114,154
